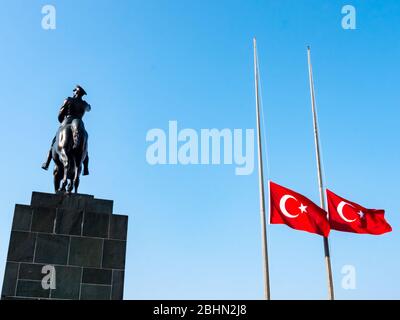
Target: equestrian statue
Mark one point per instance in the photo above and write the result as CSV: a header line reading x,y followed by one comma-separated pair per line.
x,y
69,148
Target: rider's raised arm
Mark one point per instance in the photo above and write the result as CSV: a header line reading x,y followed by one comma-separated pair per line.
x,y
63,109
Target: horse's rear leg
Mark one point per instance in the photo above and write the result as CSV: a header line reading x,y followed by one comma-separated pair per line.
x,y
71,180
66,165
78,171
57,177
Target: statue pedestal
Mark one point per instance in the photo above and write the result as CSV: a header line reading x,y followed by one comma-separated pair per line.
x,y
66,247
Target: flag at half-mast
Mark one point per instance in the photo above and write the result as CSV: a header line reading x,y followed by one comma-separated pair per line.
x,y
296,211
348,216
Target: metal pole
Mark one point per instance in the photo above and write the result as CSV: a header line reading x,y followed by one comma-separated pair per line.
x,y
267,294
320,182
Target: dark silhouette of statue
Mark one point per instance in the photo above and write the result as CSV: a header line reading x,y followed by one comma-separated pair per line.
x,y
69,147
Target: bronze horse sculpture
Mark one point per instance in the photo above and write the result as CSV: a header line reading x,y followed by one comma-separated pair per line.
x,y
69,149
69,158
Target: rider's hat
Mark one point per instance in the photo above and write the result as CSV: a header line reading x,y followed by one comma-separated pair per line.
x,y
78,87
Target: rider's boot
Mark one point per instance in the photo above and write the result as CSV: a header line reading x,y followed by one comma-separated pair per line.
x,y
75,137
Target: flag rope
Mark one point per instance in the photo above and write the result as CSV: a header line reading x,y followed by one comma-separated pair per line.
x,y
266,147
264,238
320,174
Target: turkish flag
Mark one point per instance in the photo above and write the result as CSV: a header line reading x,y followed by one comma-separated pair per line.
x,y
296,211
348,216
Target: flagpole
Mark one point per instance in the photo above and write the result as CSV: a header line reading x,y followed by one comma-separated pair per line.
x,y
267,294
320,182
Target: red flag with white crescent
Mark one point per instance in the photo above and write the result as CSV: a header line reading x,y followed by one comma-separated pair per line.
x,y
296,211
348,216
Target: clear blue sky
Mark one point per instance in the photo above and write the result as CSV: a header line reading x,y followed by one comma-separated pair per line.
x,y
194,231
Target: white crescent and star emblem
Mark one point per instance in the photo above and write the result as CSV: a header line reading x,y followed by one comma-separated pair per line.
x,y
282,206
340,207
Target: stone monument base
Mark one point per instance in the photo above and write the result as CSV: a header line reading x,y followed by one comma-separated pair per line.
x,y
66,247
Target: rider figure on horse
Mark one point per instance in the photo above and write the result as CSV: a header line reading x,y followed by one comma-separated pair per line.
x,y
72,112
